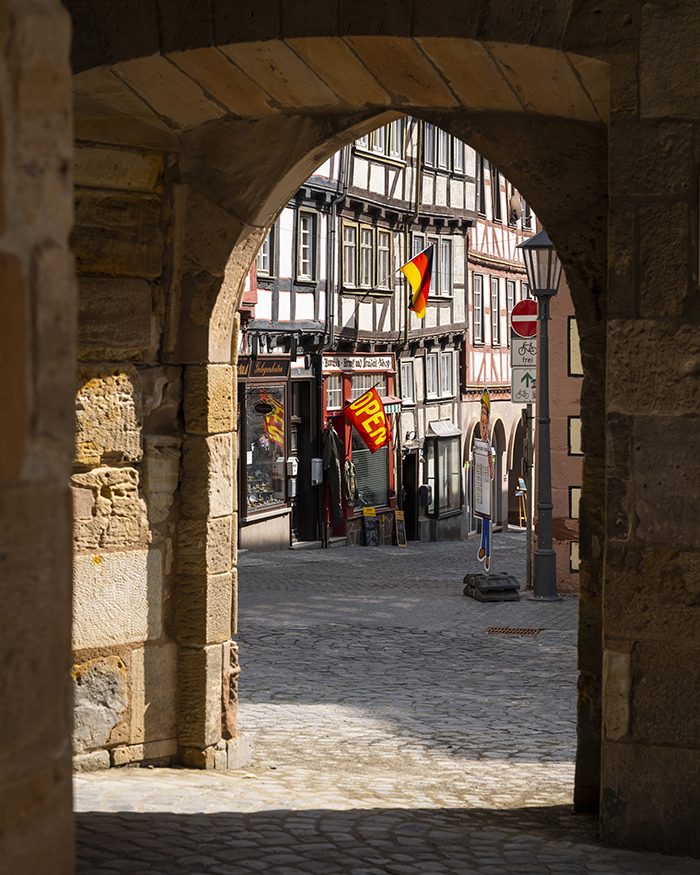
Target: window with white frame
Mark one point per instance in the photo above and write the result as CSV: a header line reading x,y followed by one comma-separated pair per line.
x,y
527,215
366,256
443,471
396,138
457,156
443,149
495,311
334,392
525,291
349,255
496,194
445,271
383,259
408,392
431,375
478,308
379,143
510,295
446,373
264,262
362,382
306,254
429,145
418,243
363,142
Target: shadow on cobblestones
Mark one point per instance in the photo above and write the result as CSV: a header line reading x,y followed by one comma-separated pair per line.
x,y
376,841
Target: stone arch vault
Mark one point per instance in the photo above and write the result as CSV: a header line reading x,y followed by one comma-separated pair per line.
x,y
193,125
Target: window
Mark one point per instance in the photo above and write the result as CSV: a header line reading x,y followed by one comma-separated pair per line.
x,y
418,244
396,149
384,259
510,303
458,156
306,260
334,392
366,256
429,145
431,375
372,473
480,185
407,385
443,144
446,373
362,382
527,215
363,142
525,291
444,474
496,194
495,311
445,271
265,449
264,262
575,447
379,143
349,255
478,308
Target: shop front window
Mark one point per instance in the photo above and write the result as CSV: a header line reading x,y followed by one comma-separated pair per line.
x,y
444,475
265,451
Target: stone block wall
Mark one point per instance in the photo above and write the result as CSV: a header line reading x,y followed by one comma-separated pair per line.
x,y
37,385
126,469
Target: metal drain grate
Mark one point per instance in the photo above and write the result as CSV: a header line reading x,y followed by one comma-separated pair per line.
x,y
495,630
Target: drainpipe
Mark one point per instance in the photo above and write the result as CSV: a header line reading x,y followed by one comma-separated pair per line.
x,y
329,333
401,345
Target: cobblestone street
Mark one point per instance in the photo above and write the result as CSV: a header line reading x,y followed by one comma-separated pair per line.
x,y
392,735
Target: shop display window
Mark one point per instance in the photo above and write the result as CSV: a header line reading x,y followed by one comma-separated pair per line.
x,y
444,475
265,447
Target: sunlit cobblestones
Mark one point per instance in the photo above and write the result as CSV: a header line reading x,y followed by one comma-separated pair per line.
x,y
391,736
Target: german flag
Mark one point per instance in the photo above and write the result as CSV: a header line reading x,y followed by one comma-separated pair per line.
x,y
418,272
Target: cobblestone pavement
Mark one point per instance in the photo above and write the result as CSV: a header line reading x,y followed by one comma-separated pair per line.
x,y
392,735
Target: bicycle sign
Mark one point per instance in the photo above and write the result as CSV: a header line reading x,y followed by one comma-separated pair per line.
x,y
523,352
522,385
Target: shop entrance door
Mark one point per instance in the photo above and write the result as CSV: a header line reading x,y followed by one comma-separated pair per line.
x,y
301,445
410,495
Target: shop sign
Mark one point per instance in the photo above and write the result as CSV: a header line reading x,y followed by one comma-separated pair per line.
x,y
358,363
263,367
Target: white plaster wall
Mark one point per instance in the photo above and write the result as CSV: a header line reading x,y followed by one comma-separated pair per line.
x,y
360,173
305,306
377,179
286,243
441,191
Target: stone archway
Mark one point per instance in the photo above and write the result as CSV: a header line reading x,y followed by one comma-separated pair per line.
x,y
218,139
508,78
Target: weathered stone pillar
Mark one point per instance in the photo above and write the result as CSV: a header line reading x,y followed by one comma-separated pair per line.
x,y
204,591
37,368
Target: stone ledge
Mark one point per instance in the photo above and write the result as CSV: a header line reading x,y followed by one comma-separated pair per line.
x,y
149,750
91,762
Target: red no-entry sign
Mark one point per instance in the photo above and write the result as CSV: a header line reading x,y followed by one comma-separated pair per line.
x,y
523,319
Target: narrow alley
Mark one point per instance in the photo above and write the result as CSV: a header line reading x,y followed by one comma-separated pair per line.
x,y
391,734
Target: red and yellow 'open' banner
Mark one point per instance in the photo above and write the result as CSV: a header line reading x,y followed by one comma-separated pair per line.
x,y
368,416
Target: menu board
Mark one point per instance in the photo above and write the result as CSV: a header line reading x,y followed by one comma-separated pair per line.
x,y
400,528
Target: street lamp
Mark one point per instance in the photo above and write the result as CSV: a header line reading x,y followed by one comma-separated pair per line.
x,y
543,273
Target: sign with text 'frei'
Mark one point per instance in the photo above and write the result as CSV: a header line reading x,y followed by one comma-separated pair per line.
x,y
523,372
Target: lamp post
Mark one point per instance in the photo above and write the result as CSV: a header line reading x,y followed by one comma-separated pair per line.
x,y
543,273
